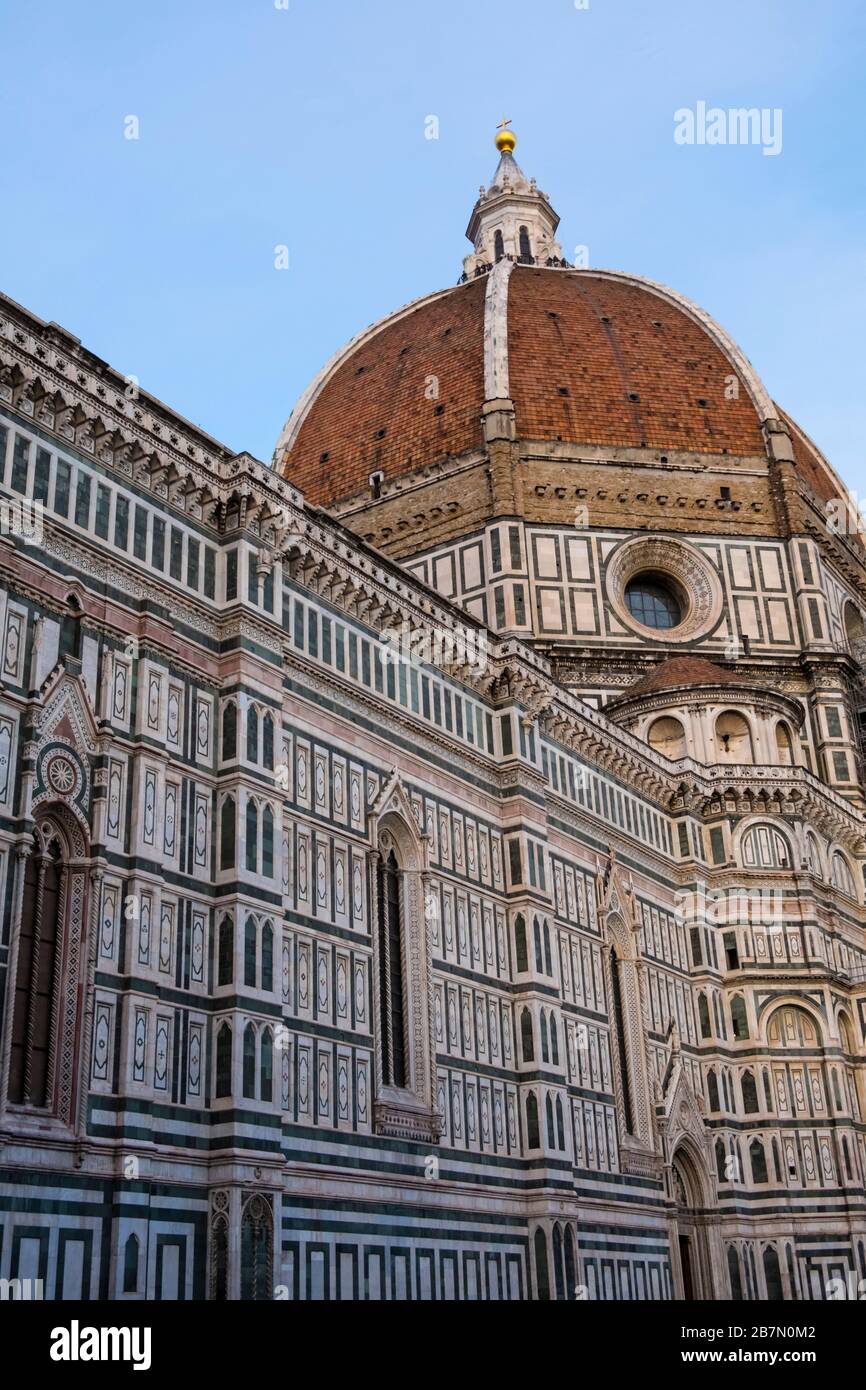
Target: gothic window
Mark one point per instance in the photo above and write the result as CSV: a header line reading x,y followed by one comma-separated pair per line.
x,y
558,1273
520,943
536,931
70,630
250,953
267,956
560,1124
526,1036
252,837
619,1025
768,1092
721,1161
266,1066
712,1091
227,834
554,1042
545,1051
695,940
570,1265
841,875
758,1160
391,997
230,731
772,1275
525,247
548,1111
37,982
268,742
542,1278
777,1161
130,1265
750,1094
224,1061
268,842
532,1134
252,734
764,847
249,1069
704,1016
498,246
734,1272
225,967
738,1017
256,1251
548,959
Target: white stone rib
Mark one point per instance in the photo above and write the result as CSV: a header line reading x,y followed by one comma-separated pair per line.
x,y
496,332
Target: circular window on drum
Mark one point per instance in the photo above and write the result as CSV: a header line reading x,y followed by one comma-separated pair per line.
x,y
663,588
653,601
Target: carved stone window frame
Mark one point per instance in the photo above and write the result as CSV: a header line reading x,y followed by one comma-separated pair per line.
x,y
690,573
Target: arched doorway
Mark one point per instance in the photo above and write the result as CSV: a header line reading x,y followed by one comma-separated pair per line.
x,y
693,1267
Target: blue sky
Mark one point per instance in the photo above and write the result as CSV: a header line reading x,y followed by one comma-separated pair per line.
x,y
263,126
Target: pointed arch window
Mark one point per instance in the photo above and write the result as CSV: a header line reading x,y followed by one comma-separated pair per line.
x,y
545,1050
227,833
712,1090
391,994
526,1036
498,246
230,731
226,950
532,1134
738,1017
266,1066
548,958
252,734
267,956
539,960
734,1274
750,1094
525,245
252,837
548,1112
758,1160
250,953
542,1278
520,943
37,976
268,842
704,1016
249,1077
560,1124
619,1024
257,1241
224,1061
220,1260
554,1040
268,742
772,1275
130,1265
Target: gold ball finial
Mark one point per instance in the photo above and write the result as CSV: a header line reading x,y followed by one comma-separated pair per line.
x,y
505,139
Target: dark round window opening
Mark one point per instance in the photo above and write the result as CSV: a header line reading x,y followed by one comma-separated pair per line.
x,y
652,601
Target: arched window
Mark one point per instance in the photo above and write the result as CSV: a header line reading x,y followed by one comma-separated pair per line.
x,y
230,731
252,734
772,1275
619,1025
539,960
763,847
548,958
554,1040
525,246
498,246
667,736
227,834
813,856
252,837
733,738
130,1265
526,1036
224,1061
37,981
545,1051
734,1273
257,1246
266,1066
558,1271
267,956
267,842
268,742
250,953
520,943
226,950
758,1160
738,1018
750,1094
548,1111
570,1265
721,1161
560,1124
532,1135
391,992
704,1016
712,1091
784,745
542,1279
841,875
70,630
777,1161
249,1077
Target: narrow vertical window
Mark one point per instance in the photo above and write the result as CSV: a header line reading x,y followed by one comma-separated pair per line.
x,y
250,954
252,734
230,731
249,1062
619,1023
224,1061
225,969
525,246
252,837
391,1001
30,1081
267,957
227,834
266,1066
498,246
268,842
130,1265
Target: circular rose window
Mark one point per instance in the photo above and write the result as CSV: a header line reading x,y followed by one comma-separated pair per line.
x,y
663,588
